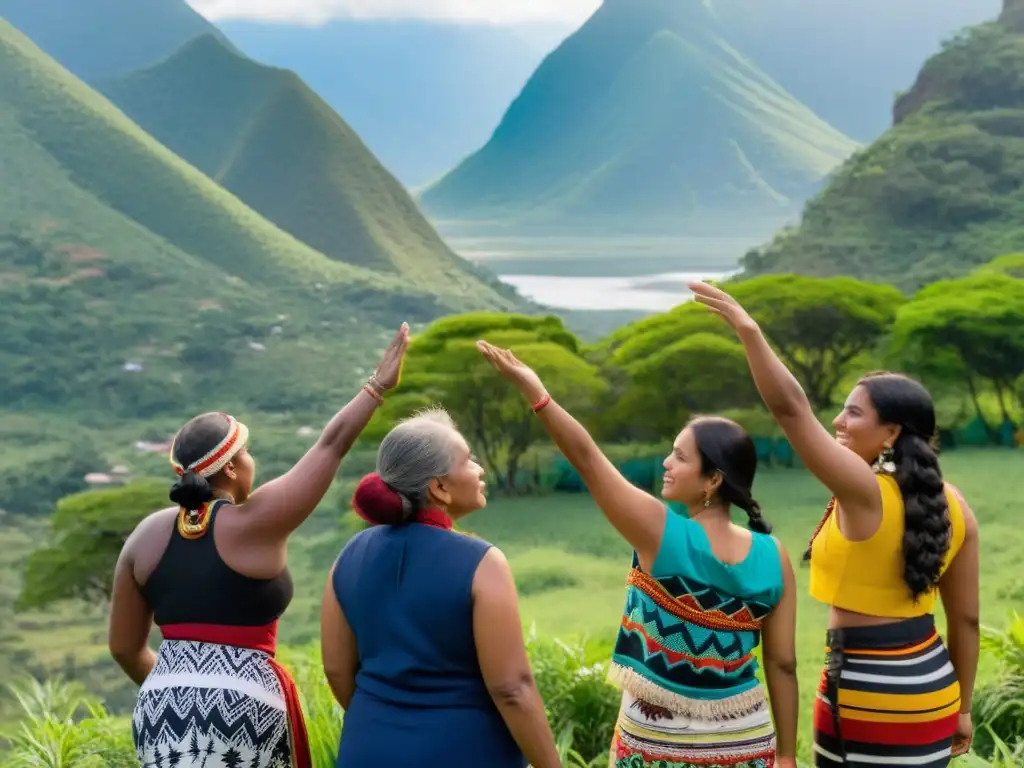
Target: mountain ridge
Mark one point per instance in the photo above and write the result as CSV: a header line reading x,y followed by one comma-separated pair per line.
x,y
96,39
670,111
937,194
262,134
134,286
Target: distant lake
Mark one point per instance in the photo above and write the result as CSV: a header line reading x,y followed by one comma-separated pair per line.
x,y
654,293
580,273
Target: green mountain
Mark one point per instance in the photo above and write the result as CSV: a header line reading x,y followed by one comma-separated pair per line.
x,y
103,38
263,135
940,192
133,283
645,118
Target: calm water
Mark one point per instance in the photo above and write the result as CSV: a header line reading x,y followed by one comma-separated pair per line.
x,y
615,273
654,293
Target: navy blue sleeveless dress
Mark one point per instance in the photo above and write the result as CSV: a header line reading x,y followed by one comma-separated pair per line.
x,y
420,699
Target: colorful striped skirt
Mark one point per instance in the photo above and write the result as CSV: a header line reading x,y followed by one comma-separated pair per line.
x,y
648,736
899,699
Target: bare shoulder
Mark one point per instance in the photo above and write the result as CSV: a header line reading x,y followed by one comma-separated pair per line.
x,y
958,494
970,521
146,544
159,521
492,572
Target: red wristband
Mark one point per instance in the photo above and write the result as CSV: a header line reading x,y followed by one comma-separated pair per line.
x,y
374,394
541,404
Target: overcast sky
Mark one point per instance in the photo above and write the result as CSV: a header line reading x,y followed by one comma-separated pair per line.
x,y
567,12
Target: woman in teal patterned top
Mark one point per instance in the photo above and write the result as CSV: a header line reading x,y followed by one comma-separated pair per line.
x,y
700,594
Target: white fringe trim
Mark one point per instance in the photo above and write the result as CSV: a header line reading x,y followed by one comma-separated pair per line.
x,y
703,709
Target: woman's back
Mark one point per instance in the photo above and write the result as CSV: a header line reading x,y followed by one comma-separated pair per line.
x,y
406,592
690,626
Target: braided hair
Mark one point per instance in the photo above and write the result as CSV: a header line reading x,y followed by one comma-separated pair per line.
x,y
725,447
927,529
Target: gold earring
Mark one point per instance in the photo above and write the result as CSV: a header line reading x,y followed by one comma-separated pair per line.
x,y
884,464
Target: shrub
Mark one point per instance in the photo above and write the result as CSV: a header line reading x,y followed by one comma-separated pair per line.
x,y
998,709
61,726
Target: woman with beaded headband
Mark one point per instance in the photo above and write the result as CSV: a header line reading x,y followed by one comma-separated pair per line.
x,y
893,538
211,573
702,595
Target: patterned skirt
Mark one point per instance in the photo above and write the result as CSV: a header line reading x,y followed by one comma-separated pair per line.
x,y
207,705
648,736
899,699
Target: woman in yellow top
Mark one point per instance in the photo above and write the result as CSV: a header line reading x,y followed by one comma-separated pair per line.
x,y
892,538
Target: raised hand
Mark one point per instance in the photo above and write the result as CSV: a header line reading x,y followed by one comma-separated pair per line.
x,y
724,305
514,370
389,369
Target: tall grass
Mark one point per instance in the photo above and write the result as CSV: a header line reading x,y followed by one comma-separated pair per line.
x,y
63,727
999,706
323,715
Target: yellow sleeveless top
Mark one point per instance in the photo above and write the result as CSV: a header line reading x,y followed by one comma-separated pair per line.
x,y
867,576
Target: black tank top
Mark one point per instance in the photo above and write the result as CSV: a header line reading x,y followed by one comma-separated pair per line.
x,y
192,585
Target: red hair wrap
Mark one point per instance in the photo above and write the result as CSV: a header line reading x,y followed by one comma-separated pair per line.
x,y
378,503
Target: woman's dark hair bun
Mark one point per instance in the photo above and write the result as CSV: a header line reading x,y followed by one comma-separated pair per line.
x,y
191,491
378,503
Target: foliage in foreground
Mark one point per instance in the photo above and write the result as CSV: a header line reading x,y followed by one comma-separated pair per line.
x,y
1000,704
63,727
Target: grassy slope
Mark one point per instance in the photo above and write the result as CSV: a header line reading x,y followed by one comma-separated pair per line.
x,y
569,564
102,38
669,123
264,135
134,256
940,192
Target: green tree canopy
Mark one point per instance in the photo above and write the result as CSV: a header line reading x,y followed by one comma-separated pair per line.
x,y
444,367
1011,265
971,329
702,372
820,326
88,530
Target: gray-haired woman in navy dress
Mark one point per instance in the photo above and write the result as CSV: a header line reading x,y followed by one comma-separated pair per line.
x,y
421,636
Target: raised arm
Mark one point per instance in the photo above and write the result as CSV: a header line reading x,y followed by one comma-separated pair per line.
x,y
504,665
843,472
338,648
282,505
960,592
636,515
779,653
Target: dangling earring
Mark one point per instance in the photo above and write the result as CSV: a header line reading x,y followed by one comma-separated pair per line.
x,y
707,500
884,464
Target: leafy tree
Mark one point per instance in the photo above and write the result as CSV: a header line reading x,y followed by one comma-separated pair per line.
x,y
819,326
443,366
971,329
88,530
703,372
1011,265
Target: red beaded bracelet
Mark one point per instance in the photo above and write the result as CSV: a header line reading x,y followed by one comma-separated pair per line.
x,y
541,404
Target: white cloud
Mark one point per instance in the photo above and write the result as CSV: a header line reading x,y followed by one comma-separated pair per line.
x,y
314,12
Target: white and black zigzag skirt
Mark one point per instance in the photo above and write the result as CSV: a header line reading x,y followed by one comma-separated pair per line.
x,y
211,706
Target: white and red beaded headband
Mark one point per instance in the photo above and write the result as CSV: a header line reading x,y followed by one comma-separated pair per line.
x,y
217,458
